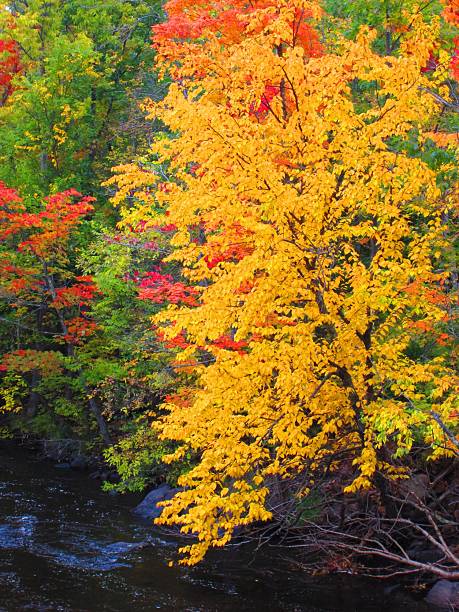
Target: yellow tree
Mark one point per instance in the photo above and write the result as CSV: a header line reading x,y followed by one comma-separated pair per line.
x,y
337,229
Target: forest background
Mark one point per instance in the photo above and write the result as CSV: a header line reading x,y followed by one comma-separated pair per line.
x,y
228,261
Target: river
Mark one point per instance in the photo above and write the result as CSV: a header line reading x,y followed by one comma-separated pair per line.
x,y
67,546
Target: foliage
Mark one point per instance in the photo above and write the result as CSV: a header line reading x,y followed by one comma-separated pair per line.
x,y
12,389
390,18
138,459
9,67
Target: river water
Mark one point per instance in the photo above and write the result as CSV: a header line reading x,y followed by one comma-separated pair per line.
x,y
67,546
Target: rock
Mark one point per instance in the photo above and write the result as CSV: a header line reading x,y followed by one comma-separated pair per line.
x,y
122,548
414,488
148,507
100,475
391,589
113,477
79,462
419,551
444,594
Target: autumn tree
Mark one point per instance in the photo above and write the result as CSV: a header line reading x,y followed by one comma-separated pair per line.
x,y
305,164
45,304
75,309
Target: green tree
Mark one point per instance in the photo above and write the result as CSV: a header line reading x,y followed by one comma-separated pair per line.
x,y
74,102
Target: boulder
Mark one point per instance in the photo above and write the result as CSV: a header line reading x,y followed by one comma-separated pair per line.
x,y
123,548
444,594
414,488
148,508
420,551
79,462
